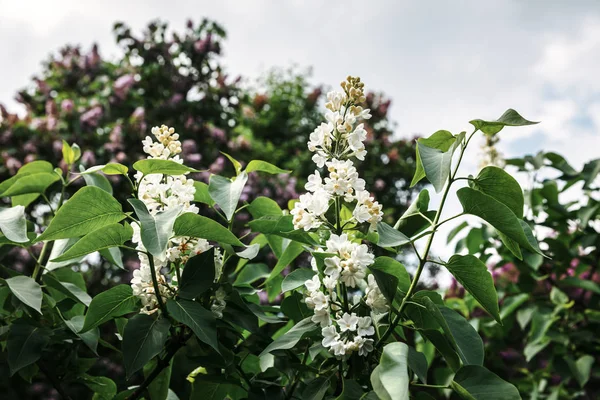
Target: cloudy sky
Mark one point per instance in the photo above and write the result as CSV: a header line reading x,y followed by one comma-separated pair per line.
x,y
443,63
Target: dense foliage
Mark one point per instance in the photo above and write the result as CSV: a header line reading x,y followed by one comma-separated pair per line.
x,y
547,344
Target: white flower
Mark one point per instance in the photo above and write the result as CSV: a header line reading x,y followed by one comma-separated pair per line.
x,y
338,348
313,284
330,336
361,256
319,158
347,322
314,183
357,137
317,300
330,282
365,328
375,299
322,318
332,267
365,346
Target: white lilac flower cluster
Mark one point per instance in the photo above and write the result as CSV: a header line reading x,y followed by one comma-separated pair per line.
x,y
160,193
334,143
346,324
344,332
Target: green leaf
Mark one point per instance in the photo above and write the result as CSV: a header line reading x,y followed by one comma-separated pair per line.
x,y
198,275
197,226
441,140
108,169
236,163
390,275
27,169
573,281
251,273
315,389
262,206
89,338
437,163
296,279
102,387
281,226
226,193
24,199
155,230
390,237
25,345
106,237
417,362
58,248
13,224
419,205
445,348
144,337
390,378
581,368
34,183
263,166
165,167
509,118
291,252
473,274
114,256
467,341
474,382
500,185
496,214
198,319
511,303
291,337
27,290
89,209
69,289
456,230
99,181
114,302
201,195
68,153
159,388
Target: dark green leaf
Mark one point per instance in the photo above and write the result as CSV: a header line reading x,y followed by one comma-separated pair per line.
x,y
496,214
144,337
417,362
202,195
108,169
281,226
473,382
291,252
25,345
106,237
441,140
198,319
473,274
291,337
90,338
114,302
34,183
296,279
198,275
437,163
27,290
69,289
390,275
197,226
500,185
